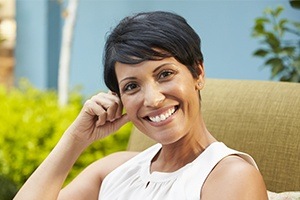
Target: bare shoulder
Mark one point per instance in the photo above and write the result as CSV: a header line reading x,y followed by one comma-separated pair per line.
x,y
234,178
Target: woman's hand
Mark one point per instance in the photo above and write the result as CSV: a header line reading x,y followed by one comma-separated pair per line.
x,y
100,116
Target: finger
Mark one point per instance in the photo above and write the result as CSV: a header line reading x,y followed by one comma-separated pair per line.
x,y
112,93
120,107
102,119
118,123
119,110
115,110
111,103
98,112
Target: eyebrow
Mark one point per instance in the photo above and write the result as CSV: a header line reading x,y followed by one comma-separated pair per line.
x,y
155,70
162,65
127,78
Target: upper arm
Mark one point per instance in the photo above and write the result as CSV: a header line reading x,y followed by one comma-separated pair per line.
x,y
87,184
233,178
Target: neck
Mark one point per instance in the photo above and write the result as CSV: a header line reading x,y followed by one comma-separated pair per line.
x,y
176,155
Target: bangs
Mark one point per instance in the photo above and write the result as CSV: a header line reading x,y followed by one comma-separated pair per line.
x,y
135,54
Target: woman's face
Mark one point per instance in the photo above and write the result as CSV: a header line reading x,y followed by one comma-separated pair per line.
x,y
161,98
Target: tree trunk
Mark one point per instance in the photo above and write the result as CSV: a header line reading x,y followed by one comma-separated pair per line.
x,y
65,52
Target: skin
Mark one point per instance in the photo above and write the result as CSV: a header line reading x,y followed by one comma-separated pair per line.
x,y
148,89
151,89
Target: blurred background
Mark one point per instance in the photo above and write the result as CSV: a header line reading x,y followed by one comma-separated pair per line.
x,y
42,40
33,34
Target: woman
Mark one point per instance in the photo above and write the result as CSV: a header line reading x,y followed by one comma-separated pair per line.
x,y
153,66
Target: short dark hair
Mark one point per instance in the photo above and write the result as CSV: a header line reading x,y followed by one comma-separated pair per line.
x,y
151,36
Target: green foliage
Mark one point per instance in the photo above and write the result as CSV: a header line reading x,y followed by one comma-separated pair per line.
x,y
32,122
8,189
281,54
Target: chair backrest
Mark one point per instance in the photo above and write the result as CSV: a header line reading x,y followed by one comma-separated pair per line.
x,y
261,118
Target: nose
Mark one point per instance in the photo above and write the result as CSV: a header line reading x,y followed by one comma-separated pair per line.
x,y
153,97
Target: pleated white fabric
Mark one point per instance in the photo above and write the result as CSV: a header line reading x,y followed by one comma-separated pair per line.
x,y
133,180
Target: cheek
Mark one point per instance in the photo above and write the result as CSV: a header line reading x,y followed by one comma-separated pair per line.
x,y
130,105
187,93
181,87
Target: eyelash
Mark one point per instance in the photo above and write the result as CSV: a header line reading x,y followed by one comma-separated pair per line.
x,y
127,86
163,75
166,74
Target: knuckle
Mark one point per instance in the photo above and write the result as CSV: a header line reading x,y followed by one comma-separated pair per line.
x,y
88,103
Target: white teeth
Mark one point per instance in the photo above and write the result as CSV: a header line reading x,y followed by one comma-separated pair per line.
x,y
162,117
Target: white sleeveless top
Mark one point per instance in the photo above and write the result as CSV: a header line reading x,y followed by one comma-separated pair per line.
x,y
133,180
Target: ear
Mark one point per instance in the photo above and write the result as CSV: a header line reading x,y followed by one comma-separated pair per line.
x,y
200,81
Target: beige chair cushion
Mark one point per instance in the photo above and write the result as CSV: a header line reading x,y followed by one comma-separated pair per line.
x,y
261,118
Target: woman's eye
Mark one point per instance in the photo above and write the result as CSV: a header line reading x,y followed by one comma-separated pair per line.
x,y
130,87
164,74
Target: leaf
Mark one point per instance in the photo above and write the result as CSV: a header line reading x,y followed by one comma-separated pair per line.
x,y
282,22
296,64
261,52
296,24
295,77
273,41
278,11
262,20
258,30
268,11
276,69
276,64
288,50
273,61
281,26
285,78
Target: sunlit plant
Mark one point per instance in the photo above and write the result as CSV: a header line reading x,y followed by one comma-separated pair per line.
x,y
280,44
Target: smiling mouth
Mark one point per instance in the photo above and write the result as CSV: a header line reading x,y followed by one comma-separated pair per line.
x,y
164,116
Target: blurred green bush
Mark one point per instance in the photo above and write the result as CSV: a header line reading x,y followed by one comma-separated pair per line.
x,y
8,188
31,123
